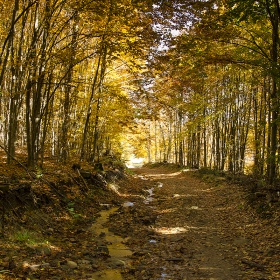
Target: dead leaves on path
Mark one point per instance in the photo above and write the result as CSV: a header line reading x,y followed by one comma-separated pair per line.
x,y
220,230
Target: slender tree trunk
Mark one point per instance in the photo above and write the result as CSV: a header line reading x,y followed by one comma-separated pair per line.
x,y
205,150
274,19
149,143
181,151
89,109
68,90
98,102
156,141
13,106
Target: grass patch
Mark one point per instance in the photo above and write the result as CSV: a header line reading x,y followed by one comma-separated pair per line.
x,y
129,171
26,237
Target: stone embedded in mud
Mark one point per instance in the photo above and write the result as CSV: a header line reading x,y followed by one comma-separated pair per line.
x,y
25,265
160,185
102,250
116,263
72,264
35,267
128,204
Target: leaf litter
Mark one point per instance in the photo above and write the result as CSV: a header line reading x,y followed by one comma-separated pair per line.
x,y
175,226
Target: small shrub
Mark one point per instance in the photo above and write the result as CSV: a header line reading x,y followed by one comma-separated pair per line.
x,y
72,210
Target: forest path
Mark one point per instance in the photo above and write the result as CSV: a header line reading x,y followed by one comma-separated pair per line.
x,y
192,230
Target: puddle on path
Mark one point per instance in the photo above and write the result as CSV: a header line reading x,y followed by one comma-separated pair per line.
x,y
149,198
117,250
108,274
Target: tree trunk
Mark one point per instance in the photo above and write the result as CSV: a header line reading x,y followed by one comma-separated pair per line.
x,y
273,12
68,90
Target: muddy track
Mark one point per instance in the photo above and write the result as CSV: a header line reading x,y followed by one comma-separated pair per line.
x,y
189,230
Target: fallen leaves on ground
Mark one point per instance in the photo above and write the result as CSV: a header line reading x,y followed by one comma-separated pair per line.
x,y
176,225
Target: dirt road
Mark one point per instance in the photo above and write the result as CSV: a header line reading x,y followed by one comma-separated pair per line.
x,y
182,228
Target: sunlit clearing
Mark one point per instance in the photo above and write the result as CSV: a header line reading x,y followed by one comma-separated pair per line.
x,y
173,230
134,162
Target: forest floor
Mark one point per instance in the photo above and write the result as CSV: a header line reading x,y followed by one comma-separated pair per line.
x,y
167,224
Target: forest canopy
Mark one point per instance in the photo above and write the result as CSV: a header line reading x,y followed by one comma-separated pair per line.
x,y
194,83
